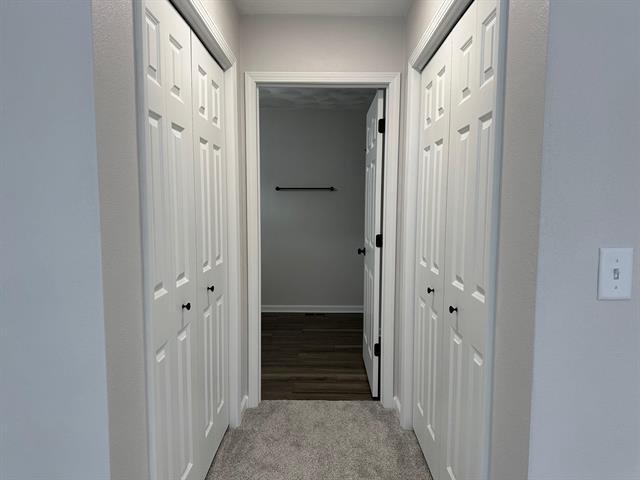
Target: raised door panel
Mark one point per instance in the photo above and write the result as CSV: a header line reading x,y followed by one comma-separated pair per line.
x,y
184,411
211,385
470,227
168,180
429,347
460,201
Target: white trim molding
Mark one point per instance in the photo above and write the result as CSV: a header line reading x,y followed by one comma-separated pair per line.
x,y
407,251
233,247
390,82
443,21
312,309
207,31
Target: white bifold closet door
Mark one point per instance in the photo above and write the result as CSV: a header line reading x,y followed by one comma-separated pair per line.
x,y
452,324
185,234
429,399
372,227
212,409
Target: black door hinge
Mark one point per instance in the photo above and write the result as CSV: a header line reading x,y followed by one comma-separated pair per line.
x,y
381,125
379,240
376,350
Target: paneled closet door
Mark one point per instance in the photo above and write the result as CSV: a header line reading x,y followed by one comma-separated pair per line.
x,y
470,203
170,206
211,392
429,403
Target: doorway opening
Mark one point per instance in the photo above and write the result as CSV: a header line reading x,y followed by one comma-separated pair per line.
x,y
317,198
314,319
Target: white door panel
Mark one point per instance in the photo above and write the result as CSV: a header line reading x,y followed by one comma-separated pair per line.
x,y
211,378
170,202
373,224
469,223
429,393
186,214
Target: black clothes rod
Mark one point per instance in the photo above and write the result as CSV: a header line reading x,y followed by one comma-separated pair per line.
x,y
329,189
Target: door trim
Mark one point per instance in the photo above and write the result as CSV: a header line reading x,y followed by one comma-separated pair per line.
x,y
211,36
390,82
198,18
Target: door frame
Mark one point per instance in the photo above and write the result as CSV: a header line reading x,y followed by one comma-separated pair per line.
x,y
447,16
388,81
519,146
209,33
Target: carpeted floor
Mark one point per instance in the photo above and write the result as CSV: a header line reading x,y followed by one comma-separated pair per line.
x,y
319,440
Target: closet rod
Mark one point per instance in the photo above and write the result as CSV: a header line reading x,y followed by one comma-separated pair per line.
x,y
329,189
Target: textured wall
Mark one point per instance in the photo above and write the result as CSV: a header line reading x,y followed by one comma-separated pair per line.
x,y
115,105
586,390
310,239
53,383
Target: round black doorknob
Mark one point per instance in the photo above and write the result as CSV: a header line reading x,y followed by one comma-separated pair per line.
x,y
452,309
362,251
430,290
186,306
211,288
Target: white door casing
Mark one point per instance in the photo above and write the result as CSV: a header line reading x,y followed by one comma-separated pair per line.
x,y
211,369
170,203
470,205
429,393
373,223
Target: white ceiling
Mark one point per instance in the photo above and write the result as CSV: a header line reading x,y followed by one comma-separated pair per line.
x,y
356,8
316,98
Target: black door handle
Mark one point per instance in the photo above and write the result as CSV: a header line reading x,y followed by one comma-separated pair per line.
x,y
452,309
362,251
430,290
186,306
211,288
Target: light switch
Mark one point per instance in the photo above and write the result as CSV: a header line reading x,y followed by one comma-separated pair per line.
x,y
614,275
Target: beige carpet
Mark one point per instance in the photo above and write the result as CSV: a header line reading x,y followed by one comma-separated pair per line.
x,y
319,440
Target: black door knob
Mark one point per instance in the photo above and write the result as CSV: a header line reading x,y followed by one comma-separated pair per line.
x,y
186,306
430,290
452,309
211,288
362,251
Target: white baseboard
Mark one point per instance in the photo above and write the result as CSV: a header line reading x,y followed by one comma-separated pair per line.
x,y
312,308
397,406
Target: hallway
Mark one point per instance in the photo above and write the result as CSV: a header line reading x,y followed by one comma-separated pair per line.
x,y
319,440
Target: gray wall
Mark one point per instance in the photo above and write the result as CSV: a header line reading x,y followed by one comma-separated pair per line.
x,y
586,391
115,105
310,239
53,384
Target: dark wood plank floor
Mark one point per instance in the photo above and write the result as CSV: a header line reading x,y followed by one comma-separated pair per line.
x,y
313,357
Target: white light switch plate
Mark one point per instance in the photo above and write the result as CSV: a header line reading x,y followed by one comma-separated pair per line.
x,y
614,274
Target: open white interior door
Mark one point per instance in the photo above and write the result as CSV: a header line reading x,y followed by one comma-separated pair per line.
x,y
372,254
